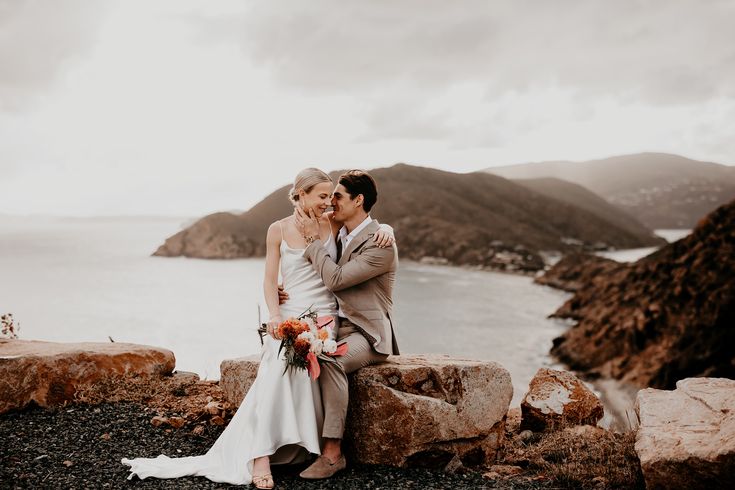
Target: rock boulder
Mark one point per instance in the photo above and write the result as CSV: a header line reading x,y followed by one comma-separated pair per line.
x,y
557,398
414,410
686,437
236,377
50,373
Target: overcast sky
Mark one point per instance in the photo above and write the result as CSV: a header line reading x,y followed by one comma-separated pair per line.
x,y
184,108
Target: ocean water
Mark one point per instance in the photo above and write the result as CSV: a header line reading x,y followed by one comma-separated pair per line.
x,y
74,280
633,254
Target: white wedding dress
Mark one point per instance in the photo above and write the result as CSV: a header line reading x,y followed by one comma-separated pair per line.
x,y
281,415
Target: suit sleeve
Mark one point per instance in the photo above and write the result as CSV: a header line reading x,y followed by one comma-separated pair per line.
x,y
370,262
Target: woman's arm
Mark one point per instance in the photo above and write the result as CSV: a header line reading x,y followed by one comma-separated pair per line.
x,y
270,281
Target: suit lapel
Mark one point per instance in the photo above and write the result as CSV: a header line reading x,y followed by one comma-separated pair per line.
x,y
361,238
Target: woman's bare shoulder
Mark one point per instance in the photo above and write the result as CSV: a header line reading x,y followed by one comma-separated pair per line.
x,y
283,222
275,230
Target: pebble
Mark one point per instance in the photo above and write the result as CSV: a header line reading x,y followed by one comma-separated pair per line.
x,y
526,436
96,461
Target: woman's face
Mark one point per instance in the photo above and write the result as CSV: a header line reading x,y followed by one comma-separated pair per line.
x,y
318,199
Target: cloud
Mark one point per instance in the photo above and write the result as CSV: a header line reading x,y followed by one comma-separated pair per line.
x,y
37,40
210,104
660,53
405,116
667,50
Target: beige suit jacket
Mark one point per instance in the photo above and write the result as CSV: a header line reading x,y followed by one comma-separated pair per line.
x,y
362,282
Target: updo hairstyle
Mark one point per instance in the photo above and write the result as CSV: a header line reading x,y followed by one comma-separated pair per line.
x,y
306,180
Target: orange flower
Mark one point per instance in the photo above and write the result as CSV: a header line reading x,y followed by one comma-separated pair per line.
x,y
322,333
291,328
301,346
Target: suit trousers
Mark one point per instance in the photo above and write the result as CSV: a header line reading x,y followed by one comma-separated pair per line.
x,y
333,377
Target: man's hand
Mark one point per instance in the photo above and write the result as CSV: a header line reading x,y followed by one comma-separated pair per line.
x,y
282,295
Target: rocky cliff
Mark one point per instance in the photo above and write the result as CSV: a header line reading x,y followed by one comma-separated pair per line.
x,y
668,316
577,270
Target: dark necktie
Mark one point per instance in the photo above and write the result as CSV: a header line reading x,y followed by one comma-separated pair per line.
x,y
339,248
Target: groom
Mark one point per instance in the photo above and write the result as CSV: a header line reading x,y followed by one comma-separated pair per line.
x,y
362,281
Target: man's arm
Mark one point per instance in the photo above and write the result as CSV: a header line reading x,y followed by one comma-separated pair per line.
x,y
372,261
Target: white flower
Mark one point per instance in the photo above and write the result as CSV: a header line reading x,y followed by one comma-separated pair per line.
x,y
310,322
317,346
307,335
330,346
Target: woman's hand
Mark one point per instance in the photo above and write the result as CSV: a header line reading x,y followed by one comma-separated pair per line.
x,y
384,236
272,327
307,223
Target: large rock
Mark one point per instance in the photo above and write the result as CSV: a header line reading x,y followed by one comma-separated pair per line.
x,y
50,373
425,410
236,377
558,398
686,437
414,410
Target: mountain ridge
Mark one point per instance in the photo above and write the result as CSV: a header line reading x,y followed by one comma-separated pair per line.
x,y
474,219
580,196
662,190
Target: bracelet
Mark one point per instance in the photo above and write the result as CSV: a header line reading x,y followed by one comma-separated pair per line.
x,y
309,240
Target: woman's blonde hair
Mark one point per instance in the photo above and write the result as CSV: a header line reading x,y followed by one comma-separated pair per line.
x,y
306,180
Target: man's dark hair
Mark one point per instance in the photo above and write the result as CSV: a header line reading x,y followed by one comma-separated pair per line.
x,y
358,182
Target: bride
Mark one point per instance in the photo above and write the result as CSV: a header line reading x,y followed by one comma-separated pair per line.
x,y
280,419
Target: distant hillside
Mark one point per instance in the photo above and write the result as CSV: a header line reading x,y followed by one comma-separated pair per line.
x,y
476,218
577,195
660,190
228,235
668,316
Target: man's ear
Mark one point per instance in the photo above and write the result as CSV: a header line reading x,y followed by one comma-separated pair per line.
x,y
359,199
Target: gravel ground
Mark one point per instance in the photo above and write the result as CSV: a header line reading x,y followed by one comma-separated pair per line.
x,y
81,447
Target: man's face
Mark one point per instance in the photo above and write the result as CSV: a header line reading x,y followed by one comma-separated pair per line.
x,y
344,207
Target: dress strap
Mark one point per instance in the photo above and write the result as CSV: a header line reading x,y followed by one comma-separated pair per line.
x,y
280,225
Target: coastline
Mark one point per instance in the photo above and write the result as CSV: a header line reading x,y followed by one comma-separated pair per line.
x,y
618,397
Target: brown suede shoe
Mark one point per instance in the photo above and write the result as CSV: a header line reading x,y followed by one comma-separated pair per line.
x,y
323,468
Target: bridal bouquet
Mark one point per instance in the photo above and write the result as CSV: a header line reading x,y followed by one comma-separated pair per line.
x,y
307,338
